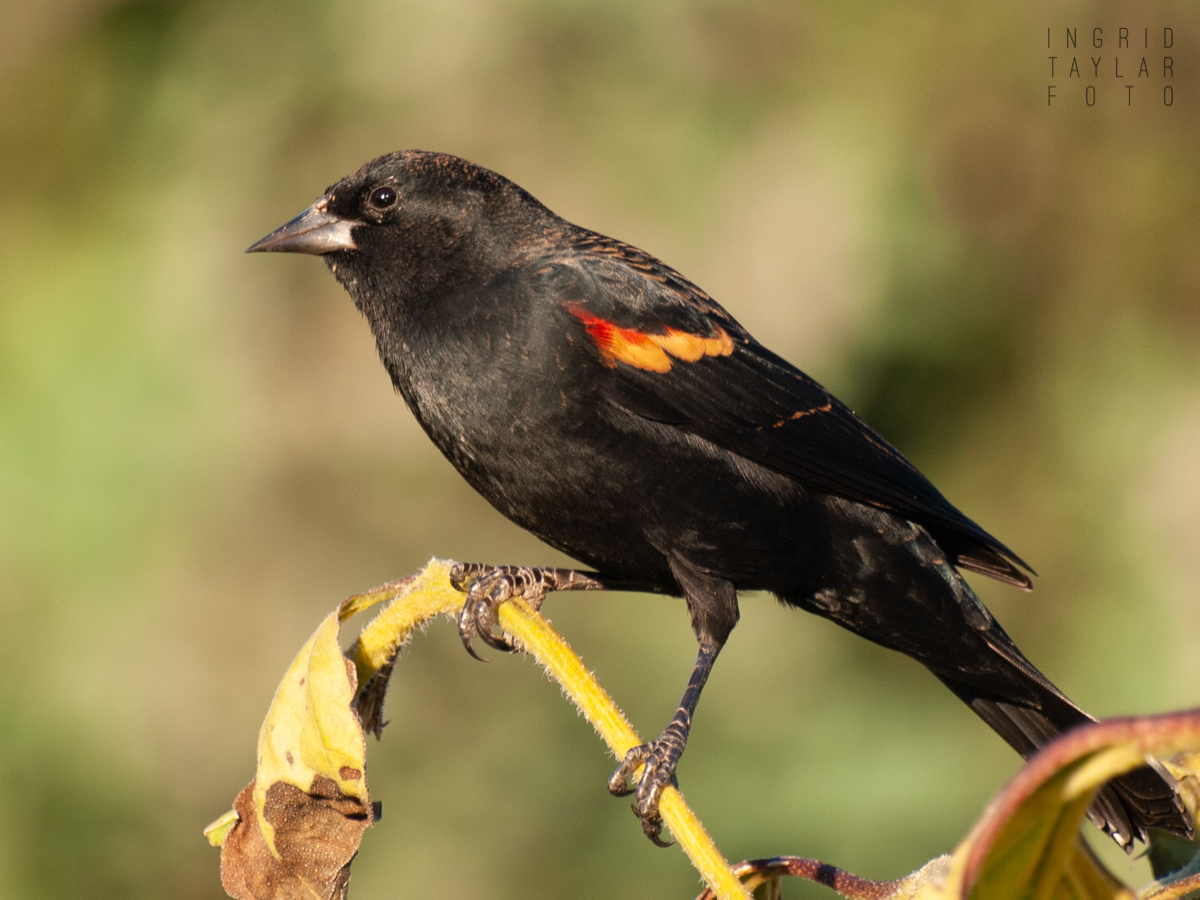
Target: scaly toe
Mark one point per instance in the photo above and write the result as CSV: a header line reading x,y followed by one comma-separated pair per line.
x,y
487,597
618,781
649,795
467,630
658,773
478,616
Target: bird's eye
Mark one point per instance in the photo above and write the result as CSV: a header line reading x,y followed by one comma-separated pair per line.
x,y
382,198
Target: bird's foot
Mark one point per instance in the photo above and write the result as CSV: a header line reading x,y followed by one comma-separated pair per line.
x,y
660,757
487,587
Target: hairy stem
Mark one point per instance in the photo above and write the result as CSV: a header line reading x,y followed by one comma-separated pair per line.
x,y
429,594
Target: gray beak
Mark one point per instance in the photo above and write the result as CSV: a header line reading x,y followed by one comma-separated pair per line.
x,y
316,231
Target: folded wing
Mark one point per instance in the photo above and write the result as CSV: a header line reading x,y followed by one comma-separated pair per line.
x,y
678,358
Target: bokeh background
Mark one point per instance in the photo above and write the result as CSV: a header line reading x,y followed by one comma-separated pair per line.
x,y
200,455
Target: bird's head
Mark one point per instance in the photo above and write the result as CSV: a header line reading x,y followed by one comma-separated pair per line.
x,y
408,221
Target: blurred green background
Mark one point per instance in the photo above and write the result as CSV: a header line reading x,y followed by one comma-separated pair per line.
x,y
200,454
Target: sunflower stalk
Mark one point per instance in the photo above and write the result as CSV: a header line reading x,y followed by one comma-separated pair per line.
x,y
415,601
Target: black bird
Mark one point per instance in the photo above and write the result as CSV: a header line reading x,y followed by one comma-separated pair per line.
x,y
602,401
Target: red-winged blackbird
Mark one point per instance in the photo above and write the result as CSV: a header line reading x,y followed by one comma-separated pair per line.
x,y
602,401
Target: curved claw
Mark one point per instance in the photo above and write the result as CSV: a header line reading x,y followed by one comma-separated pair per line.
x,y
478,616
652,828
620,787
460,576
467,630
484,597
659,758
487,587
497,641
466,642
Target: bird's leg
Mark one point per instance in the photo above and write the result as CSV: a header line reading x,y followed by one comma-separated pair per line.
x,y
661,756
487,587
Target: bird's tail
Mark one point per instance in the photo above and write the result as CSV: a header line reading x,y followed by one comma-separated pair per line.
x,y
1126,807
953,635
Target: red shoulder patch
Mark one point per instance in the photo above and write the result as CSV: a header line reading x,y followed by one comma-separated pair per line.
x,y
651,352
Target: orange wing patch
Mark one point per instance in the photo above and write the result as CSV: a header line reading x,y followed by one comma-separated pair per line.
x,y
651,352
802,413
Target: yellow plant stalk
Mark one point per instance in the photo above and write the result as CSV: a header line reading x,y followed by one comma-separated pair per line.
x,y
1027,843
534,634
429,594
418,599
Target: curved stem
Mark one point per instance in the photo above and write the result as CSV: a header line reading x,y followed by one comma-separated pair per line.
x,y
429,594
535,635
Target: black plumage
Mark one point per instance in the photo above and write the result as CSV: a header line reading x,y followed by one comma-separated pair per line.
x,y
602,401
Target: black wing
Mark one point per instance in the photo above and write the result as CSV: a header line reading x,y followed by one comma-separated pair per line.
x,y
727,388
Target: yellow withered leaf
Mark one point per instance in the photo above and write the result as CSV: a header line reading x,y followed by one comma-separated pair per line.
x,y
311,730
295,829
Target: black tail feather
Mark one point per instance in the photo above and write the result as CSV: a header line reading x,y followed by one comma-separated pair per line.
x,y
1127,807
